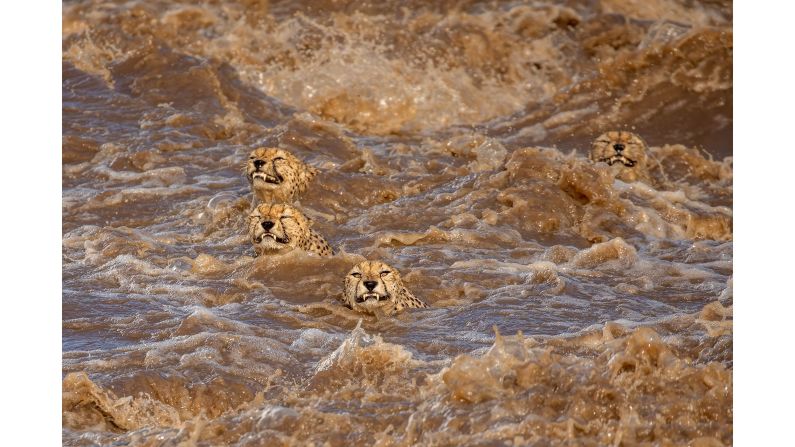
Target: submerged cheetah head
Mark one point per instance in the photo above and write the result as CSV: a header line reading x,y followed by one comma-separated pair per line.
x,y
280,228
373,285
276,175
619,147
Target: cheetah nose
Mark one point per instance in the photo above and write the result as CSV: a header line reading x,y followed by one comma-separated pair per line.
x,y
259,163
267,225
618,147
370,285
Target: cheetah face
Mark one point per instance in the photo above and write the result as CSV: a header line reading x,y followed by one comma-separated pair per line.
x,y
277,176
371,285
267,167
276,228
625,148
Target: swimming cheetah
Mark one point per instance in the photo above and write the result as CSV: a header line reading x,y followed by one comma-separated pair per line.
x,y
279,228
276,175
373,285
623,148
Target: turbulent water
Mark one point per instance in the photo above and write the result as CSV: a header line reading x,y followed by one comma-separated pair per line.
x,y
566,306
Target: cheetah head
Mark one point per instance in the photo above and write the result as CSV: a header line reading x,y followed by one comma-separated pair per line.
x,y
276,174
371,285
625,148
277,228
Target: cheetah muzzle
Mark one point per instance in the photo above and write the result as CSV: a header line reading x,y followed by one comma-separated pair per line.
x,y
618,157
259,176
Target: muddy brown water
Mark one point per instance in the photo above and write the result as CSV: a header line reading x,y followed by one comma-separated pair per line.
x,y
566,307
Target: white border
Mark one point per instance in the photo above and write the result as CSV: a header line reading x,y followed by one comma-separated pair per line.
x,y
31,225
31,331
763,223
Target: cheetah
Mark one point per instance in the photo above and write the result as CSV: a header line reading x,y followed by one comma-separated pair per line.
x,y
625,148
278,228
373,285
276,176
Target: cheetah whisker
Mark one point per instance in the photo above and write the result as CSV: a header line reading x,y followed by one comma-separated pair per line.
x,y
623,160
267,178
367,296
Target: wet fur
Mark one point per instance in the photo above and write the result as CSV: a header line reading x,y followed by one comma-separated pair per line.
x,y
393,296
632,157
287,176
290,230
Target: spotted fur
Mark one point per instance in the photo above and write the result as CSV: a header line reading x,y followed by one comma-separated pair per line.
x,y
276,175
278,228
621,148
372,285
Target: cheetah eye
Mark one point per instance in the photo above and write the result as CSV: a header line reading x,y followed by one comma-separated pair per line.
x,y
385,272
356,275
277,159
251,158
